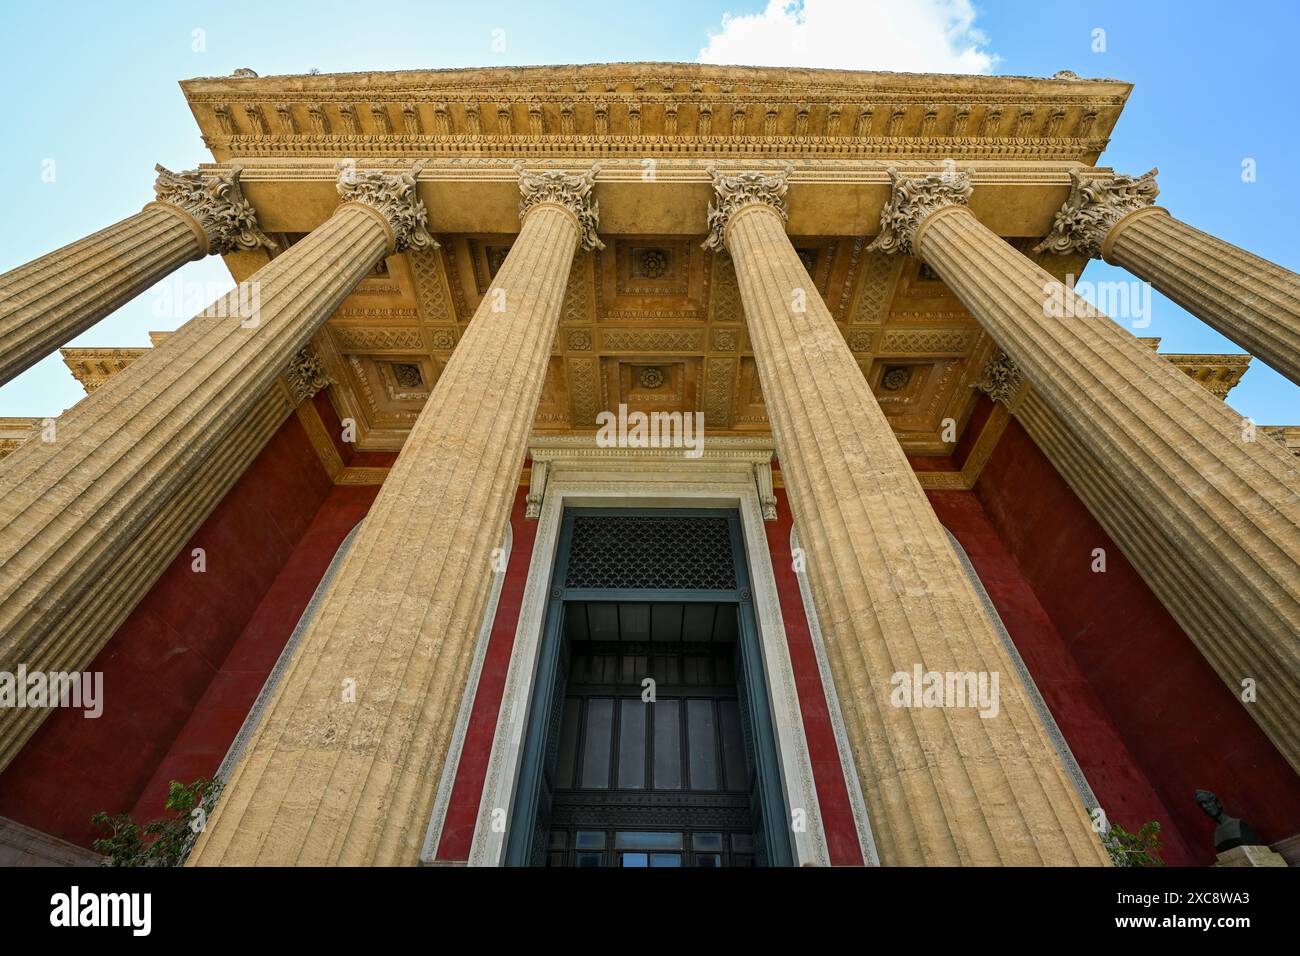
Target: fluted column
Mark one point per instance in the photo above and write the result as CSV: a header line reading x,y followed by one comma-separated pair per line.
x,y
49,301
86,517
345,765
1207,512
943,785
1253,302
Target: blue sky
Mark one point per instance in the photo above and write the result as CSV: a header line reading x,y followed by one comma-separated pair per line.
x,y
93,87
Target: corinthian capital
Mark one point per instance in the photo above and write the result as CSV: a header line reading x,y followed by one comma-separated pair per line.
x,y
573,192
393,195
305,375
913,199
1096,203
1000,379
213,199
740,190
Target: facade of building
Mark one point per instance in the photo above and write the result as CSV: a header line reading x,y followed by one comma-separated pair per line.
x,y
654,465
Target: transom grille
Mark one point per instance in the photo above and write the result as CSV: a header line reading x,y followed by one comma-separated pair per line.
x,y
669,552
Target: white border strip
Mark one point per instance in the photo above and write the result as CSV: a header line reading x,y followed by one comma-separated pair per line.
x,y
433,836
861,818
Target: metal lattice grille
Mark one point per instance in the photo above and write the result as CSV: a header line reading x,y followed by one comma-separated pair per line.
x,y
648,551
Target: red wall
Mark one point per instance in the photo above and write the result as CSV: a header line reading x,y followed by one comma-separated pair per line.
x,y
462,809
1121,786
183,668
1184,729
828,772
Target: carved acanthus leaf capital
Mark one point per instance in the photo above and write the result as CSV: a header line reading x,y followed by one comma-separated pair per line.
x,y
305,375
1096,203
735,192
213,199
573,192
394,196
1001,379
913,199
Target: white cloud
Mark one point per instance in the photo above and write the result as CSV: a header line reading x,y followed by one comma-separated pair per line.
x,y
917,36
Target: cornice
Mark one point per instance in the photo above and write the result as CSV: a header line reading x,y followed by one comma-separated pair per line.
x,y
657,110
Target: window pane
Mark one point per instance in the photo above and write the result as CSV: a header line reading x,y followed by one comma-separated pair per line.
x,y
631,744
589,859
668,669
733,745
595,752
636,859
668,745
666,859
726,674
703,745
704,841
589,839
648,839
568,743
712,860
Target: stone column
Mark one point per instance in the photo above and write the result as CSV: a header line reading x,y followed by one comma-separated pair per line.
x,y
943,785
345,765
1253,302
49,301
1206,510
88,511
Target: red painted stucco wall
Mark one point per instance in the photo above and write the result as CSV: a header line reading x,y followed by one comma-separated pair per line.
x,y
1122,788
462,809
1184,729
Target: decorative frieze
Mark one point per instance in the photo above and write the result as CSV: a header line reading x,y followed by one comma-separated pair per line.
x,y
376,339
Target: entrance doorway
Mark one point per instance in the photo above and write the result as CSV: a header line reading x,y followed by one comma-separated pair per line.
x,y
650,739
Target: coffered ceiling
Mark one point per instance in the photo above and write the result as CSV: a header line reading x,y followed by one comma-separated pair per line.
x,y
653,322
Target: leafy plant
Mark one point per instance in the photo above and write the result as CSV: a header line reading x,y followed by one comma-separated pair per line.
x,y
1134,849
163,842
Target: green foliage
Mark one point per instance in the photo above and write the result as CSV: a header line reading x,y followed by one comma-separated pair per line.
x,y
1134,849
162,842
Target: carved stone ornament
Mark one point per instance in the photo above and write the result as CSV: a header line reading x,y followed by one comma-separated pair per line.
x,y
1000,379
305,375
743,189
394,196
573,192
212,197
1096,203
913,199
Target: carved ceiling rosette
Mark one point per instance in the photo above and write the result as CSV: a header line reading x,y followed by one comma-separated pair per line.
x,y
734,192
212,198
393,195
913,199
1096,203
573,192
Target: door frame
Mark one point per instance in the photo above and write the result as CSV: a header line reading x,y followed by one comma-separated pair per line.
x,y
583,476
521,829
